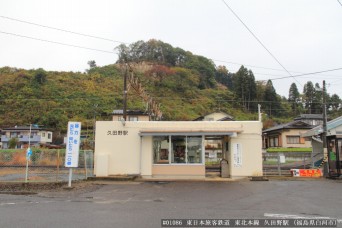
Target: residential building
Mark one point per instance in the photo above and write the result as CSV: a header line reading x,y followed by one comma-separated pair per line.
x,y
132,115
215,116
25,135
312,119
287,135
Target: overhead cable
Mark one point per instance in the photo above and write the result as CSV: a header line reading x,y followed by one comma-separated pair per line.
x,y
259,41
55,42
62,30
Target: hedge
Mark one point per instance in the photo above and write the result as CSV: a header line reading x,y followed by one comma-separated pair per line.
x,y
281,149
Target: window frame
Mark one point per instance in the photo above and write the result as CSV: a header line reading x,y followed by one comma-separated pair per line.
x,y
293,139
202,155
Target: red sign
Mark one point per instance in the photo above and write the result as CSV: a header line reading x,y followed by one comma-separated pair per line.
x,y
306,172
310,173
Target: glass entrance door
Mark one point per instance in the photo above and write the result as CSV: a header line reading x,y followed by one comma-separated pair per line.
x,y
338,156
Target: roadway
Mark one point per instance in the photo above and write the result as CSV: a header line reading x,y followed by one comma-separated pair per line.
x,y
144,204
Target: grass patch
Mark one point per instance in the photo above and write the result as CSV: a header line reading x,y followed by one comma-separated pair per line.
x,y
281,149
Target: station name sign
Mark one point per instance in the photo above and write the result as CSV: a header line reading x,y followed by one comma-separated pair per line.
x,y
116,132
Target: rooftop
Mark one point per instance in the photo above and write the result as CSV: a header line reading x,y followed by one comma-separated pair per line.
x,y
297,124
130,112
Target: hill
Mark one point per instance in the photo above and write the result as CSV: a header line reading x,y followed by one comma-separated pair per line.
x,y
185,85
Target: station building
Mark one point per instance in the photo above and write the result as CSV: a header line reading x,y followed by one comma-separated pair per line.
x,y
175,149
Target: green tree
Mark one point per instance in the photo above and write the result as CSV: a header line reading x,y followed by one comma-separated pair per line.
x,y
272,103
40,76
244,87
224,77
92,64
334,103
308,97
294,99
158,52
12,143
317,100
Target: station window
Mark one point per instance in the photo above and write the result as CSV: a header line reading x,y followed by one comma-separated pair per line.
x,y
180,149
161,149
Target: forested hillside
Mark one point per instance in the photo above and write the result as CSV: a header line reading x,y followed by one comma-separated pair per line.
x,y
185,85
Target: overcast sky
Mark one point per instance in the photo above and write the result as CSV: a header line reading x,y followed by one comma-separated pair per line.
x,y
304,35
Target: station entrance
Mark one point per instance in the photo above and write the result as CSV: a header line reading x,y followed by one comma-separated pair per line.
x,y
216,149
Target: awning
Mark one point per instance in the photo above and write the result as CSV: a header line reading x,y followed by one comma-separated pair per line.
x,y
190,132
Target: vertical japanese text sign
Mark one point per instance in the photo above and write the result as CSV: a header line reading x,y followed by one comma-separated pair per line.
x,y
73,144
237,153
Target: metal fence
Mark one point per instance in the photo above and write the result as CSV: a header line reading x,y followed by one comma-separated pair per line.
x,y
44,165
280,164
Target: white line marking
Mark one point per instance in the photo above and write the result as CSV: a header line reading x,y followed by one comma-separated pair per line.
x,y
299,217
26,202
1,204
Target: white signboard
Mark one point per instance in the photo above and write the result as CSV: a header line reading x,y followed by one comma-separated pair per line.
x,y
282,158
72,144
212,154
237,153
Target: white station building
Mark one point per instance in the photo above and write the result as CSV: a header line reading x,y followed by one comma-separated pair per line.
x,y
175,149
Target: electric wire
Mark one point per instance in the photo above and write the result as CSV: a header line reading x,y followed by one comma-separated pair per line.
x,y
62,30
111,52
55,42
259,41
339,2
106,39
116,41
299,75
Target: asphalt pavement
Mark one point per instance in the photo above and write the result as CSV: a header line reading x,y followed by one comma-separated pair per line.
x,y
143,204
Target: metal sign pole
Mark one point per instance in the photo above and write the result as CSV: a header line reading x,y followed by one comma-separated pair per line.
x,y
28,154
70,177
72,147
26,172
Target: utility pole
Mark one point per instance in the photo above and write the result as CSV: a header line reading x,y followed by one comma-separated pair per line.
x,y
324,135
125,95
259,113
94,124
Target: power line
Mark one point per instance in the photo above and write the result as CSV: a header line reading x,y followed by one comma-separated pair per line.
x,y
250,31
62,30
256,73
55,42
339,2
116,41
266,68
299,75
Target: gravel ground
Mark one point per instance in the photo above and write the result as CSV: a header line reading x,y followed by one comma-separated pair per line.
x,y
34,188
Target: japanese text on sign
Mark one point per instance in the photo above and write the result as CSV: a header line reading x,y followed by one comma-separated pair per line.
x,y
237,154
306,172
249,223
114,132
73,144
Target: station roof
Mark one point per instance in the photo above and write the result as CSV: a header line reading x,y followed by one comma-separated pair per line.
x,y
190,132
